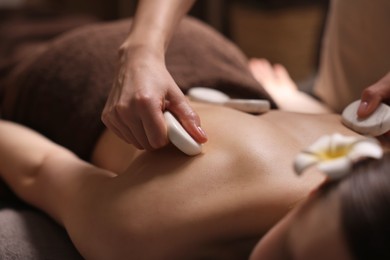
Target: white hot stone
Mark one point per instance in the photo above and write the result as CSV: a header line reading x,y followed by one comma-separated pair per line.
x,y
376,124
208,95
213,96
179,136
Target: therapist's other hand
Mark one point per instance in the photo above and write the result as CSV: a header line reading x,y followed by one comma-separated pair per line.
x,y
142,90
373,96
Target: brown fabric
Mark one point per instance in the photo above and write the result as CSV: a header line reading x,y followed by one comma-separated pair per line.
x,y
29,28
60,90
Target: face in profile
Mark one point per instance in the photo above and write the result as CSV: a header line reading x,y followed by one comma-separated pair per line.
x,y
311,231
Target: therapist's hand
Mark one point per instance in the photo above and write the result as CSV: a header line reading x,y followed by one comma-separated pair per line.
x,y
373,96
142,91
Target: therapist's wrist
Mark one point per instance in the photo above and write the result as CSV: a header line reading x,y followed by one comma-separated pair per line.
x,y
141,51
140,57
144,38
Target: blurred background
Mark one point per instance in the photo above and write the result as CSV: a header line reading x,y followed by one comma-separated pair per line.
x,y
283,31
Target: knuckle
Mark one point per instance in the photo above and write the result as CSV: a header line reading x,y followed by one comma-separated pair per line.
x,y
121,109
104,119
122,50
143,98
147,101
136,144
190,114
375,94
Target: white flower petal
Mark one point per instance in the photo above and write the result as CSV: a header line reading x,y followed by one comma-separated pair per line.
x,y
322,144
343,140
336,168
335,154
303,161
340,144
368,148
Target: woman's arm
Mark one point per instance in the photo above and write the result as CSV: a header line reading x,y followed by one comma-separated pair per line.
x,y
143,87
22,153
39,171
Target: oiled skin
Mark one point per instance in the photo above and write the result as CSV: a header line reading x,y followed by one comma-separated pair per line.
x,y
166,205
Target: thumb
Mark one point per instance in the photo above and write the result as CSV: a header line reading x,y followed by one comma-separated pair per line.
x,y
189,119
369,103
373,96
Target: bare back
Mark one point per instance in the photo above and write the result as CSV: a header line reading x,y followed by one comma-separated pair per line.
x,y
240,186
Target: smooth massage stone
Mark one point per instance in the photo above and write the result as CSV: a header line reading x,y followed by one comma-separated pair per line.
x,y
376,124
179,136
256,106
217,97
208,95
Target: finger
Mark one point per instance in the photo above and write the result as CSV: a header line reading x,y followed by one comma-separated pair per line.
x,y
107,121
138,131
374,95
188,118
121,130
140,135
370,101
129,137
131,127
154,126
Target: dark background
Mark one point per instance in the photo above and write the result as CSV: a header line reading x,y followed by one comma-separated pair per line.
x,y
283,31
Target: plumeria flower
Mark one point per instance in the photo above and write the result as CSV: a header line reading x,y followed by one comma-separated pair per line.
x,y
335,154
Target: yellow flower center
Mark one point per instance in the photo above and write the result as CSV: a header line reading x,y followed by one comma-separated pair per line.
x,y
336,153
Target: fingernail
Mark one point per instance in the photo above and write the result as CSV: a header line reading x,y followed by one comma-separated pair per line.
x,y
201,131
363,107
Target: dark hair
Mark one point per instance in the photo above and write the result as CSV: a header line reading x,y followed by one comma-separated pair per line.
x,y
365,209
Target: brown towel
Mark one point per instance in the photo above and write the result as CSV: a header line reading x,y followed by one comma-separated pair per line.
x,y
61,89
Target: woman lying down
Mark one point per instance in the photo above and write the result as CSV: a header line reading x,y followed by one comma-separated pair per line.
x,y
131,204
